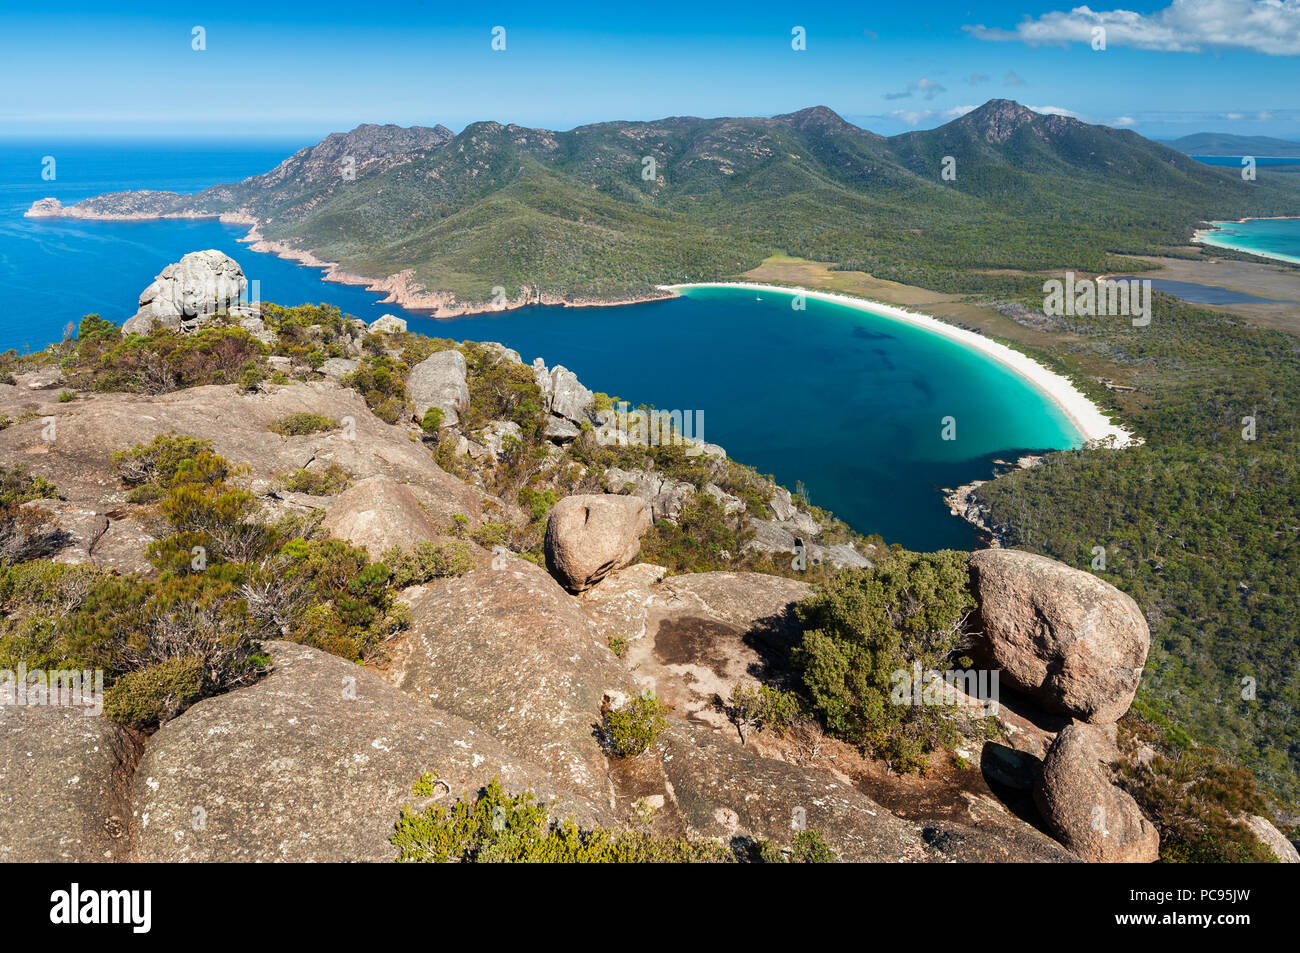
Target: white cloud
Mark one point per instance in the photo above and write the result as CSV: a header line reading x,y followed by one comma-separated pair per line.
x,y
1055,111
1011,79
1124,121
1185,26
914,117
927,87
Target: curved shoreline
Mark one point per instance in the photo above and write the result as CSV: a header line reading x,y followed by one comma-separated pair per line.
x,y
1084,416
1202,236
398,289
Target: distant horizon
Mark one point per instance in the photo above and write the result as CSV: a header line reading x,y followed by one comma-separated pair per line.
x,y
307,136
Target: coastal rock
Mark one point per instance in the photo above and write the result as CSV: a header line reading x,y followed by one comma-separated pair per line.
x,y
1071,641
496,436
387,324
569,399
439,381
377,514
508,649
664,495
503,353
64,779
1091,816
589,535
312,763
186,293
560,430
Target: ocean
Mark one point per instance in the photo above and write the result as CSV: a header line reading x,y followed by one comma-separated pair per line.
x,y
849,404
1271,237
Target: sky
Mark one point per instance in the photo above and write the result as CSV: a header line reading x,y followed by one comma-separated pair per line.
x,y
302,70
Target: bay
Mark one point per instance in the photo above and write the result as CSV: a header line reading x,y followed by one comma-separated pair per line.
x,y
848,403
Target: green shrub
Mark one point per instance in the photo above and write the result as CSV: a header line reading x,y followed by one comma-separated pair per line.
x,y
537,502
809,847
762,706
155,694
333,479
497,827
704,538
19,486
169,460
488,535
864,627
301,424
427,561
636,726
431,422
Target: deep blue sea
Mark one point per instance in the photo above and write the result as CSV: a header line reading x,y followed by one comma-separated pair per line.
x,y
848,403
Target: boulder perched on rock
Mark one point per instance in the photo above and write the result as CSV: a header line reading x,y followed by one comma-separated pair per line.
x,y
1073,642
1090,815
64,780
589,535
312,763
189,291
439,381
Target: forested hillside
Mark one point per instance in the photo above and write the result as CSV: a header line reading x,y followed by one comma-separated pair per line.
x,y
607,211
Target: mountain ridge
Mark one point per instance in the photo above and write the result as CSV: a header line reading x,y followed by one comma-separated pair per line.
x,y
609,211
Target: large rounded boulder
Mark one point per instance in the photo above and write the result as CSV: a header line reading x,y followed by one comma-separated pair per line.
x,y
1071,641
439,381
590,535
184,293
1091,816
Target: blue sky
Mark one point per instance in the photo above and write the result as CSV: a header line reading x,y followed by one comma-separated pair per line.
x,y
305,69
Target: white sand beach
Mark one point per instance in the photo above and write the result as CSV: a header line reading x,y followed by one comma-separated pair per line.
x,y
1086,417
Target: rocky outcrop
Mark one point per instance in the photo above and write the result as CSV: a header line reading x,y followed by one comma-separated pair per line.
x,y
565,400
312,763
378,514
1071,641
237,423
185,294
439,381
508,649
1272,838
723,791
589,535
387,324
1090,815
64,778
663,495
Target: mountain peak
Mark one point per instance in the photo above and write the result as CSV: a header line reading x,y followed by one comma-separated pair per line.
x,y
998,119
813,117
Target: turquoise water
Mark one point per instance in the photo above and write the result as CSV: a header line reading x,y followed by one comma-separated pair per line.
x,y
849,403
1271,237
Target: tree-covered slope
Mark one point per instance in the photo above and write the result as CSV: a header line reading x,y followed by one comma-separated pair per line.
x,y
609,210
